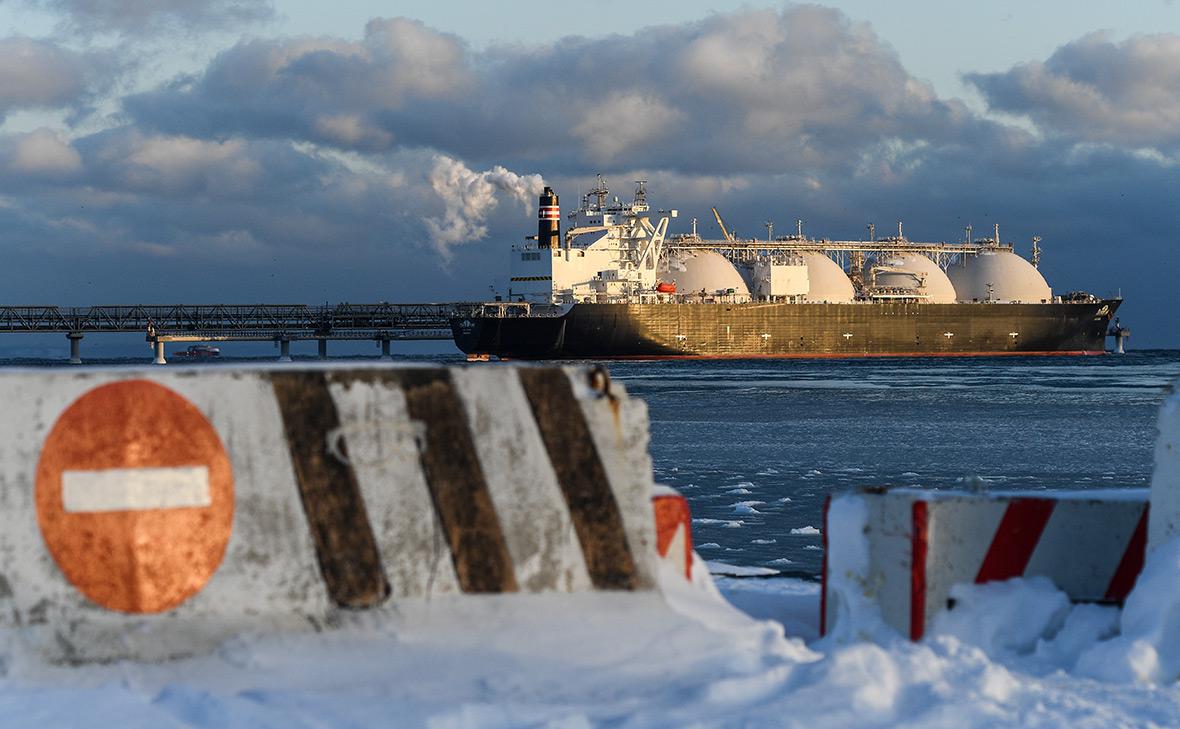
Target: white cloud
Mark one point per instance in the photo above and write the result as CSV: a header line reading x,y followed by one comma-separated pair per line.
x,y
1094,89
350,131
622,122
183,165
87,17
43,152
413,59
42,75
754,90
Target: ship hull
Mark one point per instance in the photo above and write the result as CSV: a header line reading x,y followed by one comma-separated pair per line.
x,y
624,331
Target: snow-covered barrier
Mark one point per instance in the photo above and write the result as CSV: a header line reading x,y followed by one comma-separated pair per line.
x,y
900,551
1164,524
149,514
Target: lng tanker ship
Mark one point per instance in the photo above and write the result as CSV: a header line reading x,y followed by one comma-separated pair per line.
x,y
616,285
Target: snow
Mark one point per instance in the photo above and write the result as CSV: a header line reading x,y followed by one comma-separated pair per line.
x,y
1147,648
724,523
660,489
733,570
735,652
689,658
1004,618
747,507
853,615
791,602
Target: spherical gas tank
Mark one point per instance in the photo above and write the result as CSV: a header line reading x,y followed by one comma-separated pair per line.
x,y
1000,276
913,271
827,282
705,271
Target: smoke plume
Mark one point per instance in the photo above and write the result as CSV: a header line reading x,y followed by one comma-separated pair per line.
x,y
469,197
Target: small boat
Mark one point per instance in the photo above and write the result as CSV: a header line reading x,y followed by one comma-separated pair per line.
x,y
199,351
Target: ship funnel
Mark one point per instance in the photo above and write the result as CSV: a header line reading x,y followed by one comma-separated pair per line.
x,y
548,220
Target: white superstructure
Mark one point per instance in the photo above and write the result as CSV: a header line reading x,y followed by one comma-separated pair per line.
x,y
620,252
610,253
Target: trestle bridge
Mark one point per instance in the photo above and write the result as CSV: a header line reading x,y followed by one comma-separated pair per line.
x,y
280,323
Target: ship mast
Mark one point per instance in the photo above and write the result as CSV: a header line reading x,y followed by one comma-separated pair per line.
x,y
600,191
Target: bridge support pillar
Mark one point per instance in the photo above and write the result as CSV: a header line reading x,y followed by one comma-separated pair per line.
x,y
75,347
323,348
1120,340
284,350
385,348
158,346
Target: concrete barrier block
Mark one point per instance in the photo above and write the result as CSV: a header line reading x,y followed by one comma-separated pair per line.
x,y
913,546
1165,478
150,514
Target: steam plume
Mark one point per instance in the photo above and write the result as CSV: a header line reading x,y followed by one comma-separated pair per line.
x,y
469,197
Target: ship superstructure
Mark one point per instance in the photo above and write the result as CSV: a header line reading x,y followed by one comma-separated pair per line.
x,y
610,252
617,285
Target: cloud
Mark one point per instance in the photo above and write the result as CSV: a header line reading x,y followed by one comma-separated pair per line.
x,y
322,90
351,131
1097,90
748,91
137,17
126,194
41,153
37,74
469,197
647,118
171,165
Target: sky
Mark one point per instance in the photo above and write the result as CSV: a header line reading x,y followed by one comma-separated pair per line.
x,y
247,150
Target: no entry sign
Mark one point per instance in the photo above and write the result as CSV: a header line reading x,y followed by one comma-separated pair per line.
x,y
135,496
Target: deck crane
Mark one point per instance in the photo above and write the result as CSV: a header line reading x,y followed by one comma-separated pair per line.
x,y
724,231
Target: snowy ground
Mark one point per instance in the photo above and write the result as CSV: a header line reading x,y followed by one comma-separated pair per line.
x,y
1012,654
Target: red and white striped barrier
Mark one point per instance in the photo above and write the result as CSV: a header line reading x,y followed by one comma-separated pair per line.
x,y
913,546
673,528
153,513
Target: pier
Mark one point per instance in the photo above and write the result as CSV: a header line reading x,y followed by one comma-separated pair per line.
x,y
381,323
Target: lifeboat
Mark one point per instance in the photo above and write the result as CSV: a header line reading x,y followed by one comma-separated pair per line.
x,y
666,287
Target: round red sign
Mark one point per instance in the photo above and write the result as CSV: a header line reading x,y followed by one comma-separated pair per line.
x,y
135,496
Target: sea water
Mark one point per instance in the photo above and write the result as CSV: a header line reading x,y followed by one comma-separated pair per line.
x,y
756,445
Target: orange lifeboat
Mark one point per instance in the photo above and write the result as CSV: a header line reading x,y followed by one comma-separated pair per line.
x,y
664,287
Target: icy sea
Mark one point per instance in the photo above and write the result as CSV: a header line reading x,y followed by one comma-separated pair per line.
x,y
756,445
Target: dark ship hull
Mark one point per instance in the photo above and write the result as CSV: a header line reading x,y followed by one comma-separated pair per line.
x,y
618,331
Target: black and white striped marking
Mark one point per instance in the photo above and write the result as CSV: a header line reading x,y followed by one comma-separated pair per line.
x,y
424,481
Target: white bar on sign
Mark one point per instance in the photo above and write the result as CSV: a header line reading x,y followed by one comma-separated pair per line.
x,y
135,489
